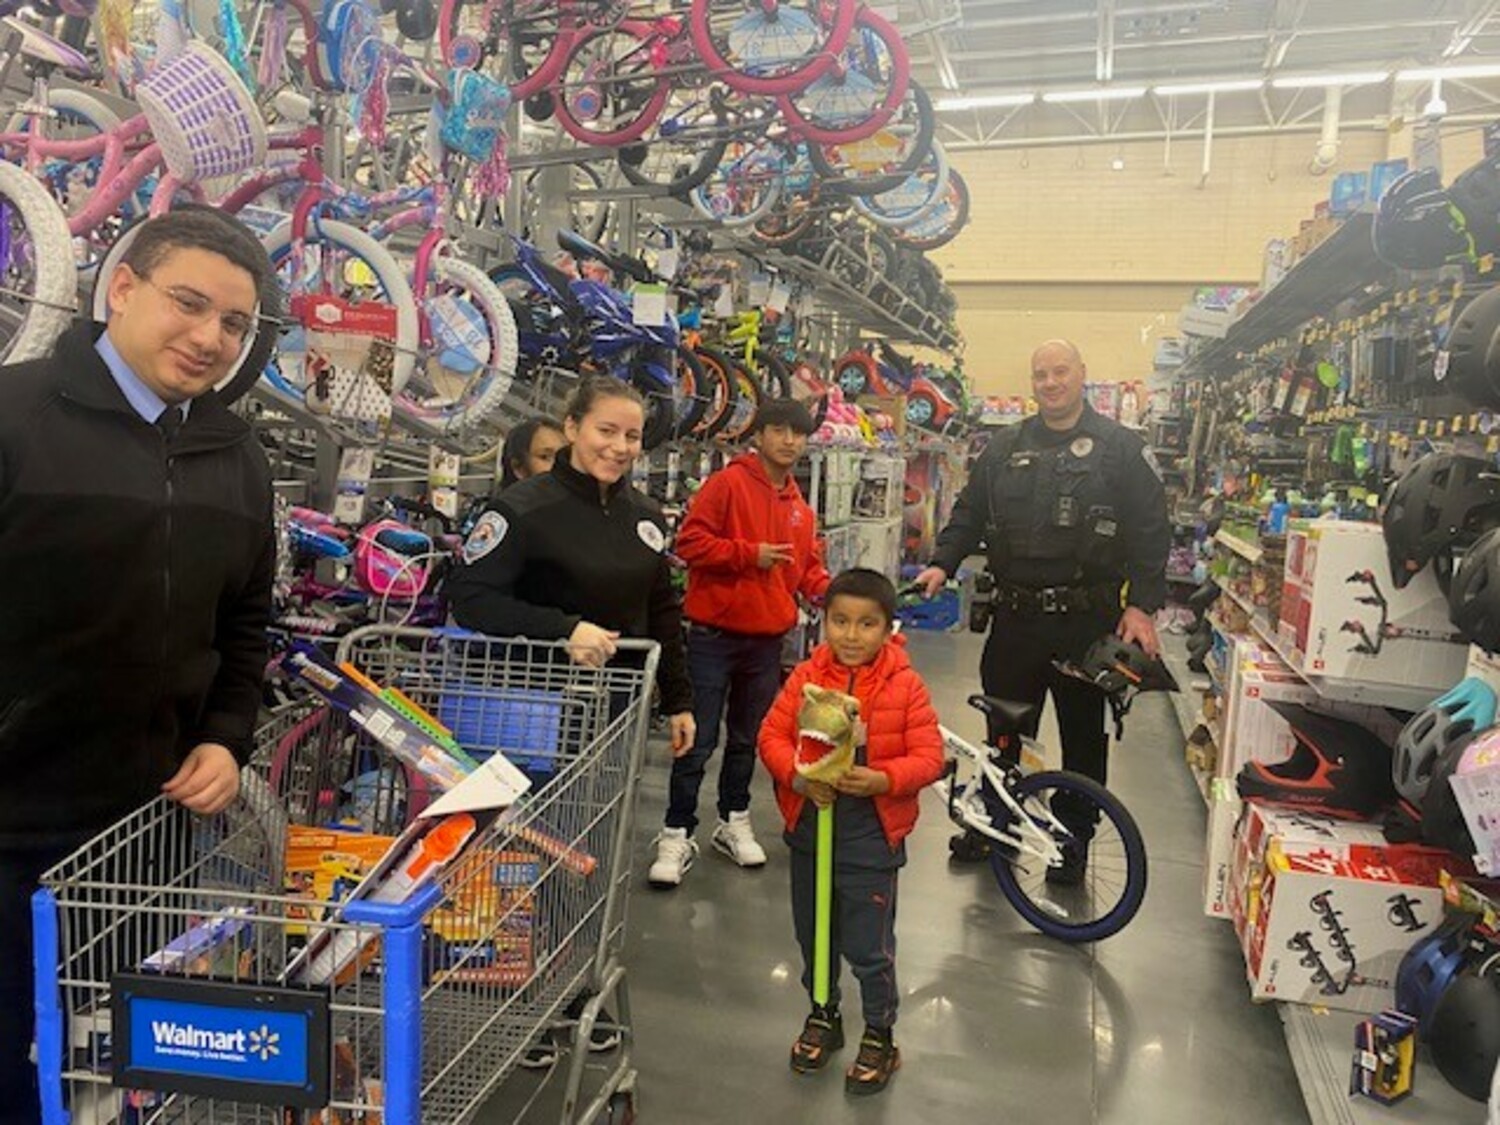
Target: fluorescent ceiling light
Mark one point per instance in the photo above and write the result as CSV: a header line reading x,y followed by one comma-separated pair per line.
x,y
1435,73
1228,86
1098,94
1303,81
982,101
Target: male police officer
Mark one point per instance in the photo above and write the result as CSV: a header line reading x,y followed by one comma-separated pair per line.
x,y
1071,508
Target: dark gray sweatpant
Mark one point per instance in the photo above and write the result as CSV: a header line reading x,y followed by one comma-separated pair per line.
x,y
863,929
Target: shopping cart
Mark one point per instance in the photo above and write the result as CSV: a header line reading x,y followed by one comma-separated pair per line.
x,y
453,985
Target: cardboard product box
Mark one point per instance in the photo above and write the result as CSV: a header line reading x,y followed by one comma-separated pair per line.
x,y
1224,812
880,545
323,865
1383,174
488,926
1349,193
1332,929
892,405
1343,615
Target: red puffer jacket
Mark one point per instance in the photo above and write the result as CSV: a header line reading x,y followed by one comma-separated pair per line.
x,y
903,740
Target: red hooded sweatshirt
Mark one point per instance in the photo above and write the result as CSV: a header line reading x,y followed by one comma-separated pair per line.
x,y
902,736
736,510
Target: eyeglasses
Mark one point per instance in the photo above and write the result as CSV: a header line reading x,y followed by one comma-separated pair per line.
x,y
194,306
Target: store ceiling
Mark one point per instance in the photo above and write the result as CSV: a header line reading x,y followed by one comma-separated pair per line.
x,y
997,46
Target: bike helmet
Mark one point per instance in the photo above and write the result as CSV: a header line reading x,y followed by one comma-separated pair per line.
x,y
1417,227
1463,710
1337,768
1115,666
1476,195
1474,593
1464,1036
1429,967
1443,501
1470,363
1443,824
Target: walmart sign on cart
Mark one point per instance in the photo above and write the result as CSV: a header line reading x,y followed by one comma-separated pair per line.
x,y
238,1042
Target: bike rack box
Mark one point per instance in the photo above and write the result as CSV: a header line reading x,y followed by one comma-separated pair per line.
x,y
1332,931
1343,615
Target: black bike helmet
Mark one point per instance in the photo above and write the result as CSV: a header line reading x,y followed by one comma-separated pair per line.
x,y
1474,593
1116,666
1464,709
1443,824
1441,503
1417,227
1473,351
1464,1035
1337,768
1476,195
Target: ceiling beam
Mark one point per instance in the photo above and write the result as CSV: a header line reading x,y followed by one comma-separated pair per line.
x,y
1464,34
1104,59
1286,21
947,76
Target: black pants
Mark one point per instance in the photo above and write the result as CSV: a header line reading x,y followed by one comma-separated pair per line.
x,y
863,931
1017,665
19,870
735,678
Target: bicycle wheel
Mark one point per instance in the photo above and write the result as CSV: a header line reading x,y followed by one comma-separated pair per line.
x,y
586,214
941,223
38,278
715,393
253,356
343,263
884,160
522,43
858,97
746,405
774,378
471,364
691,376
914,198
1114,878
688,144
769,48
746,184
609,92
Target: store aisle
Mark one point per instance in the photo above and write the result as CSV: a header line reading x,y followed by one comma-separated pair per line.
x,y
997,1023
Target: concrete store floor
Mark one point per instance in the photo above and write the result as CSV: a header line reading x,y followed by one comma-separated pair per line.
x,y
998,1024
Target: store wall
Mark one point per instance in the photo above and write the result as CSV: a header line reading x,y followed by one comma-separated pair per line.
x,y
1060,244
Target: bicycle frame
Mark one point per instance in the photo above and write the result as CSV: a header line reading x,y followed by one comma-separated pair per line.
x,y
966,802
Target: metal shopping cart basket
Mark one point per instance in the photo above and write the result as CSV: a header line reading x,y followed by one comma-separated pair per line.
x,y
167,917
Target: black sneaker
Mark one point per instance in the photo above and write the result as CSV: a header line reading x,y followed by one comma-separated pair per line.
x,y
968,847
822,1034
1075,862
541,1054
606,1034
878,1059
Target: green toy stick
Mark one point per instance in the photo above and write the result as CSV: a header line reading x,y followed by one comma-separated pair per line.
x,y
823,924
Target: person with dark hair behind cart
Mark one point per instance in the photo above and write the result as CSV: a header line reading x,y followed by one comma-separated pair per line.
x,y
529,449
577,554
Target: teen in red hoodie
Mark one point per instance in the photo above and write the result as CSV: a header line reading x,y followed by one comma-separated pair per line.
x,y
751,547
876,808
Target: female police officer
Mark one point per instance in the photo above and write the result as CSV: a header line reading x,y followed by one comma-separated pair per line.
x,y
577,553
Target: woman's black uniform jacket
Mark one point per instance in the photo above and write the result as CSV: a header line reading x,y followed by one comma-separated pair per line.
x,y
550,552
135,591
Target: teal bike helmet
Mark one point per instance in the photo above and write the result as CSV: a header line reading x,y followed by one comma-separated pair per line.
x,y
1464,710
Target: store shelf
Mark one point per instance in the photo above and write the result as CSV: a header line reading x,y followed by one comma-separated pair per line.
x,y
1250,552
1244,603
1342,264
1184,705
1321,1045
1398,696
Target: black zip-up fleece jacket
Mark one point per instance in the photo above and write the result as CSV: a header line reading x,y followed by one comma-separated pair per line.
x,y
550,552
135,591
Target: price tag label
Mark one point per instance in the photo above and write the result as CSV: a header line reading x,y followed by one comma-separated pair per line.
x,y
356,469
760,290
780,294
649,305
667,262
724,303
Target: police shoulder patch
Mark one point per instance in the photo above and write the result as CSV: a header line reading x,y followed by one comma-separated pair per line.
x,y
488,534
651,535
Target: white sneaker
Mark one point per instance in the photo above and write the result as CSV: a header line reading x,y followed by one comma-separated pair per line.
x,y
675,853
736,839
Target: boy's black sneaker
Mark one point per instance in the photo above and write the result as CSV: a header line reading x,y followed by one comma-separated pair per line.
x,y
968,847
541,1054
878,1059
606,1034
822,1034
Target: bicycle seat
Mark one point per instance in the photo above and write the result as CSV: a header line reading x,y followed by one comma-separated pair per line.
x,y
1010,716
43,48
581,247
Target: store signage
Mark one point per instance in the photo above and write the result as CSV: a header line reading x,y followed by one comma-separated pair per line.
x,y
1198,321
239,1042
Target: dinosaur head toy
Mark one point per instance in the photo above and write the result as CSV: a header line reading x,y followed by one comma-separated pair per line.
x,y
825,733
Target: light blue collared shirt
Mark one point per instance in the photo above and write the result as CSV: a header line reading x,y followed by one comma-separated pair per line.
x,y
143,400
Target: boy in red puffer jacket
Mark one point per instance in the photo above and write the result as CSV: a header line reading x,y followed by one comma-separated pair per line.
x,y
751,548
900,753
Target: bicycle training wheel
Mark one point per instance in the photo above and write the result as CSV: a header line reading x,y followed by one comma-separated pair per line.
x,y
1114,875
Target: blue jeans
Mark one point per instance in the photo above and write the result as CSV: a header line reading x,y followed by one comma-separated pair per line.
x,y
734,675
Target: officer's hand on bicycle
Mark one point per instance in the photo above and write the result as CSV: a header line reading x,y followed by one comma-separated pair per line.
x,y
931,580
1137,626
818,792
591,645
770,554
